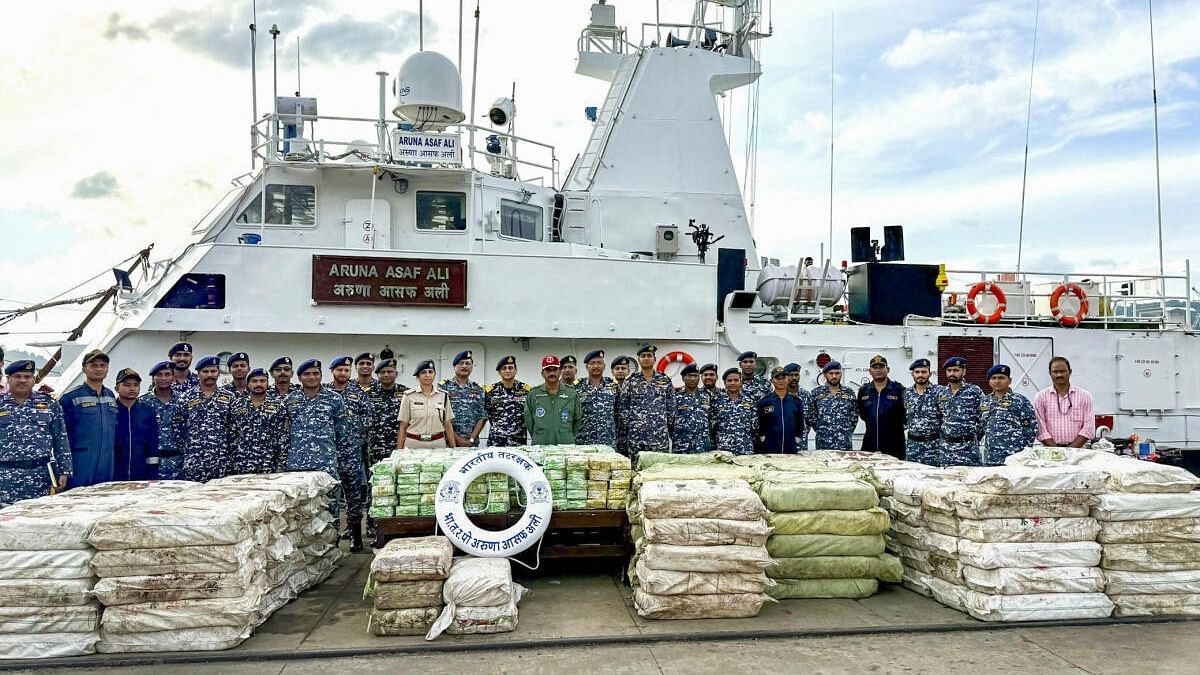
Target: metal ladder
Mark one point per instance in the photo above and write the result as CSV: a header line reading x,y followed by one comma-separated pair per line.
x,y
584,172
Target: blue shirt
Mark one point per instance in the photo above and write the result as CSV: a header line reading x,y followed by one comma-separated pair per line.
x,y
884,414
780,422
135,455
91,420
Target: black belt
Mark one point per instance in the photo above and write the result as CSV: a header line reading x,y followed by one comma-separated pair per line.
x,y
960,439
165,455
26,464
922,439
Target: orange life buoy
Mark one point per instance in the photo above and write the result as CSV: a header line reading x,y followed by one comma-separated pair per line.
x,y
1001,302
674,357
1069,320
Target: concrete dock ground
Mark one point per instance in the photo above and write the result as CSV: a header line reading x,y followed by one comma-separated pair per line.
x,y
586,622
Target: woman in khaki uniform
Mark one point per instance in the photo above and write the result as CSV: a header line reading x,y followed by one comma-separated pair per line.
x,y
425,414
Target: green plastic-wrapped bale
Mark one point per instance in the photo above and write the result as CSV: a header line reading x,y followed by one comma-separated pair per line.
x,y
386,490
381,511
795,589
386,467
818,495
407,510
869,521
389,500
648,460
811,545
883,567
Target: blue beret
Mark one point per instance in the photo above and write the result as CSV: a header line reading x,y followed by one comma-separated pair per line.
x,y
386,363
257,372
161,366
185,347
620,360
919,363
281,361
647,348
427,364
506,361
308,365
792,368
747,355
594,354
730,371
462,356
208,362
567,359
127,374
832,365
707,367
999,369
22,366
238,356
341,361
955,361
365,356
690,369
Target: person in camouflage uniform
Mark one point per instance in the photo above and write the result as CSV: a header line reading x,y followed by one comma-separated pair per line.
x,y
923,419
570,370
794,388
691,425
735,416
203,425
1007,420
958,403
239,373
709,375
180,355
33,435
753,386
598,400
364,366
350,462
319,428
161,399
504,402
281,373
466,397
620,372
259,428
834,410
385,397
645,406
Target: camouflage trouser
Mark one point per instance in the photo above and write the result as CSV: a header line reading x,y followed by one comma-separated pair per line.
x,y
924,452
962,453
995,453
499,441
18,484
354,494
834,440
636,449
170,468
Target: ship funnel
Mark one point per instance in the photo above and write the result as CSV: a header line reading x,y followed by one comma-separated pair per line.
x,y
429,92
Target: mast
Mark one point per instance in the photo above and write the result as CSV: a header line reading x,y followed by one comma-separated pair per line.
x,y
1162,274
1028,119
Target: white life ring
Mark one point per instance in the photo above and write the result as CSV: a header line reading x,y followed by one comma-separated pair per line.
x,y
452,517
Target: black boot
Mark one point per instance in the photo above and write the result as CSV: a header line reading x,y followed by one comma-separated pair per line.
x,y
356,544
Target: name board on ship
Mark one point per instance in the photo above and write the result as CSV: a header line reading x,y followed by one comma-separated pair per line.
x,y
355,280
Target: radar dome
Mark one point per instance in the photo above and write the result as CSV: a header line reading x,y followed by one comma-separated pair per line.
x,y
429,91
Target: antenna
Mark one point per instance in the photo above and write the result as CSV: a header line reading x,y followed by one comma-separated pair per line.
x,y
474,81
297,65
831,44
1157,172
1028,119
274,64
421,25
253,80
460,17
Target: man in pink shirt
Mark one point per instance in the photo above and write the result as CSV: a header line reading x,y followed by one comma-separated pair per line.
x,y
1064,411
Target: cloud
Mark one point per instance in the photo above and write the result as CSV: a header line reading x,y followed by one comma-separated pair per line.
x,y
117,29
922,46
351,40
96,186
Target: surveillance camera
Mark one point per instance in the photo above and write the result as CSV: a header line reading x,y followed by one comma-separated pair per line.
x,y
501,112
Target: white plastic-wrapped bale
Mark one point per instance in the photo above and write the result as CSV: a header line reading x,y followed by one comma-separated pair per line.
x,y
201,569
406,582
480,597
46,578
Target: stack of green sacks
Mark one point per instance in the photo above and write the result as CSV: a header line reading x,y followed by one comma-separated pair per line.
x,y
828,536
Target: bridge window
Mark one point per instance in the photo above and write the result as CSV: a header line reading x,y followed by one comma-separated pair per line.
x,y
523,221
441,211
294,205
196,291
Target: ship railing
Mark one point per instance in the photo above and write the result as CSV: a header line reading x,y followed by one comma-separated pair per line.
x,y
694,31
604,40
268,146
1143,300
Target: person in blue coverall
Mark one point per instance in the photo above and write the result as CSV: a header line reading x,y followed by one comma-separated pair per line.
x,y
90,413
881,406
135,455
780,417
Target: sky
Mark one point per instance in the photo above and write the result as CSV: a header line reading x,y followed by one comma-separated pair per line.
x,y
124,121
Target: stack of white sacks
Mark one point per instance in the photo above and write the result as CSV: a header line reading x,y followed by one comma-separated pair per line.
x,y
1009,543
406,580
909,538
200,569
703,552
46,578
480,597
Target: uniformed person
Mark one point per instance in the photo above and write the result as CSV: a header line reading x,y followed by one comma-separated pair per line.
x,y
881,408
645,405
598,402
805,396
735,416
504,401
692,424
834,410
426,415
922,416
281,373
239,372
1007,420
33,439
569,370
319,427
552,413
709,375
780,417
260,429
466,396
161,399
620,368
385,397
203,425
364,366
350,462
620,372
90,413
180,355
753,386
135,455
958,404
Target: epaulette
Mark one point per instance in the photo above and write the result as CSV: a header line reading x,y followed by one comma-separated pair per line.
x,y
488,389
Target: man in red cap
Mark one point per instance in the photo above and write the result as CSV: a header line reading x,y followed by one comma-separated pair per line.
x,y
552,412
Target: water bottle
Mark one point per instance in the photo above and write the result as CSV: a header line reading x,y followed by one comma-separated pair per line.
x,y
1143,449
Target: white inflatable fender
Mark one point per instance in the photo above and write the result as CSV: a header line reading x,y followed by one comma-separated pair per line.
x,y
452,517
